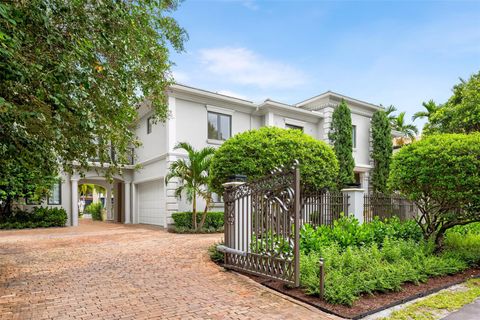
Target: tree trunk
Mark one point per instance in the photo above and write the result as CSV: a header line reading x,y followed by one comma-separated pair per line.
x,y
439,237
194,211
207,205
6,208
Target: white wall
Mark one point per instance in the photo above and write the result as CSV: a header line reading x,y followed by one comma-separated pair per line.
x,y
362,152
153,144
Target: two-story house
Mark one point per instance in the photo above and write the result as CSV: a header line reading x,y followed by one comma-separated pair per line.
x,y
205,118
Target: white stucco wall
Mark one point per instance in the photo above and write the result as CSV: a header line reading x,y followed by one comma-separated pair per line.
x,y
153,144
362,151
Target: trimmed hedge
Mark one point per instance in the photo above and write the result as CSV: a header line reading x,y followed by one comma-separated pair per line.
x,y
95,209
255,153
213,221
39,217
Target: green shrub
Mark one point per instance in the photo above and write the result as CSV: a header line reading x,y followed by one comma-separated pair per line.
x,y
38,217
183,221
347,231
215,255
445,169
95,209
255,153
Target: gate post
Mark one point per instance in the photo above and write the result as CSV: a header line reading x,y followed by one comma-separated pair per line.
x,y
296,247
355,203
229,214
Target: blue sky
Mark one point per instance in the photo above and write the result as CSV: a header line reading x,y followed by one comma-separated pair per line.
x,y
383,52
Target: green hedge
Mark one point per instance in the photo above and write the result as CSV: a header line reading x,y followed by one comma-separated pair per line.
x,y
95,209
213,221
39,217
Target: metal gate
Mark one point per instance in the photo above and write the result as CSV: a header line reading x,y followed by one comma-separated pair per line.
x,y
262,226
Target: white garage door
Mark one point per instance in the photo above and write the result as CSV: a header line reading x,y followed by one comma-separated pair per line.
x,y
151,203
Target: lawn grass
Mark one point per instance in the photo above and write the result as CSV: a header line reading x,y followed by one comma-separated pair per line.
x,y
435,306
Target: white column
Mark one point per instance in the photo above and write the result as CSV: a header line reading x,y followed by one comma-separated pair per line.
x,y
171,124
74,219
355,203
134,203
108,202
126,202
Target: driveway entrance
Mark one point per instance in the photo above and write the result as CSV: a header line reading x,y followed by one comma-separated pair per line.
x,y
114,271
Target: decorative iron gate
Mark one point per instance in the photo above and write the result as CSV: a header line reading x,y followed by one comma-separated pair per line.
x,y
262,226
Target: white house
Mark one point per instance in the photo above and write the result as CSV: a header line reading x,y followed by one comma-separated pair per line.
x,y
141,195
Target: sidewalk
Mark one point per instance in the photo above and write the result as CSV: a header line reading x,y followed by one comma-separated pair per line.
x,y
468,312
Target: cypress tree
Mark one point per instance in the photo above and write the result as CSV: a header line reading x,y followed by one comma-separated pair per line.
x,y
341,137
382,151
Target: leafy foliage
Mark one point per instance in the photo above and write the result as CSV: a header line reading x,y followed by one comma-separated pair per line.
x,y
341,136
379,257
193,176
73,73
39,217
408,130
461,113
213,221
215,255
96,210
441,174
255,153
382,151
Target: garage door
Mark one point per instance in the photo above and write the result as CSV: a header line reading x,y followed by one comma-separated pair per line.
x,y
151,203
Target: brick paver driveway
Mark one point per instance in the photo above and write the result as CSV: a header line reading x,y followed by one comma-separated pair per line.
x,y
110,271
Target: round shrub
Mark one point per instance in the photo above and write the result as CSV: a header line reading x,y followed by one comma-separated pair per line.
x,y
255,153
441,173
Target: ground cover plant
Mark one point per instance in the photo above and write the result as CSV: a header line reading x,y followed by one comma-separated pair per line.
x,y
95,209
38,217
379,257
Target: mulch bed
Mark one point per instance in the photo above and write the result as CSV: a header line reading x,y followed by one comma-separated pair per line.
x,y
369,304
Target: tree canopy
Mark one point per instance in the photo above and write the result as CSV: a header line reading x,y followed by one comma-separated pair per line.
x,y
73,74
441,174
341,137
256,153
461,113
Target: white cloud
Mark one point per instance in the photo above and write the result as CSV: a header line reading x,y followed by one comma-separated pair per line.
x,y
243,66
250,4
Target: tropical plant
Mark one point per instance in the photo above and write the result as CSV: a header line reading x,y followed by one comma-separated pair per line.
x,y
441,174
461,113
430,108
381,151
389,112
73,72
407,130
341,137
256,153
193,177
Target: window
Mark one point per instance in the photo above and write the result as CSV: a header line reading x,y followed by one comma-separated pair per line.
x,y
354,136
291,126
149,125
219,126
55,197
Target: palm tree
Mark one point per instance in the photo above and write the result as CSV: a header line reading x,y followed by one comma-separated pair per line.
x,y
192,174
408,130
430,108
389,112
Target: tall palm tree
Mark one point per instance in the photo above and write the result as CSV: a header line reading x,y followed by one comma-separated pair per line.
x,y
408,130
192,174
430,109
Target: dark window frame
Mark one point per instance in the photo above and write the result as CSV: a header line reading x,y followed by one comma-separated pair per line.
x,y
149,125
49,202
293,127
219,114
354,136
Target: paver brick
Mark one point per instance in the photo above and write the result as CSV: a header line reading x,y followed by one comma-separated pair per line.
x,y
111,271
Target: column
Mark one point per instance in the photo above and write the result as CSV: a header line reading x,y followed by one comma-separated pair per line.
x,y
134,203
355,202
74,193
108,202
126,202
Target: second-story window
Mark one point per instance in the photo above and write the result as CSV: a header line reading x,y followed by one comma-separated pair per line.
x,y
219,126
354,136
291,126
149,125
